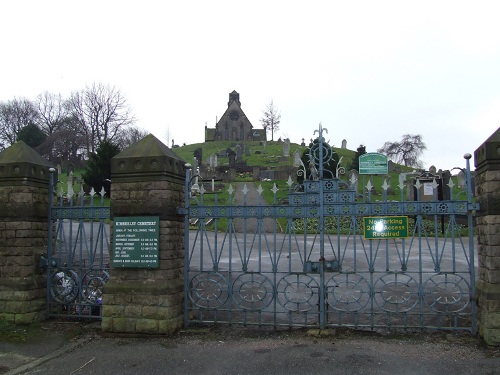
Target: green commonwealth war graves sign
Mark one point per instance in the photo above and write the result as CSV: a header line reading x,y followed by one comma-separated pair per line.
x,y
135,241
385,227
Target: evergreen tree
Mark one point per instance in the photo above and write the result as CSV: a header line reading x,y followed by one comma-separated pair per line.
x,y
361,150
329,168
98,168
31,135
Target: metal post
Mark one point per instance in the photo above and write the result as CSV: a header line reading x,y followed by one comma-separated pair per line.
x,y
470,224
186,243
49,242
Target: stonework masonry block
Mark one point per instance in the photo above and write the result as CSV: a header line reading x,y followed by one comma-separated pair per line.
x,y
487,188
148,180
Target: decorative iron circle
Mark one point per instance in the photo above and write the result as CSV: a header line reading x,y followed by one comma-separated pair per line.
x,y
396,292
315,151
92,285
64,286
252,291
296,292
329,185
348,292
208,290
447,292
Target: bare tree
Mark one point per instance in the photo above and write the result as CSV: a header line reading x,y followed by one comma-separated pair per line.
x,y
130,135
65,144
14,115
271,119
102,111
407,152
52,110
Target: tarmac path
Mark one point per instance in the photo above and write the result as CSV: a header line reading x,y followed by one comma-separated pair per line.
x,y
227,350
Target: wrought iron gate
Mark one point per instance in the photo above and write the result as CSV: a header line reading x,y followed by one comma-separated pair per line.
x,y
77,262
307,262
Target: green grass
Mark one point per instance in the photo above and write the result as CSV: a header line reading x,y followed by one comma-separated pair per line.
x,y
9,332
270,156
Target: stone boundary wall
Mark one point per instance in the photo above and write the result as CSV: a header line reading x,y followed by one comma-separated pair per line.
x,y
24,205
148,180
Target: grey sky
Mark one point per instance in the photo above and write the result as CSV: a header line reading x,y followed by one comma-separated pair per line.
x,y
369,71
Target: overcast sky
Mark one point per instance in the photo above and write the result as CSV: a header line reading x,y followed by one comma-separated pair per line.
x,y
369,71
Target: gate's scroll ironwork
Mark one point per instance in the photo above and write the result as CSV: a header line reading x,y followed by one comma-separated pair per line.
x,y
78,252
307,263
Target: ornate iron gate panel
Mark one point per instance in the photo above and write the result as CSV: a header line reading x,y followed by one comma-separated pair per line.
x,y
308,262
78,253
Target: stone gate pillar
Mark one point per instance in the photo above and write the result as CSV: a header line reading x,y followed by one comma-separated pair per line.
x,y
487,186
24,207
147,179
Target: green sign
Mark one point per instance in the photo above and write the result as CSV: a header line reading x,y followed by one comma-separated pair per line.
x,y
373,163
384,227
135,241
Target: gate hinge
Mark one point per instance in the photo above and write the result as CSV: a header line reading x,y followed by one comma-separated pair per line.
x,y
473,207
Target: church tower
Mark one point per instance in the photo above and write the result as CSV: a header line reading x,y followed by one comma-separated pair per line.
x,y
234,124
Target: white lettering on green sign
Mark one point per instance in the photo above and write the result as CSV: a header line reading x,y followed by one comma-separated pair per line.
x,y
373,163
384,227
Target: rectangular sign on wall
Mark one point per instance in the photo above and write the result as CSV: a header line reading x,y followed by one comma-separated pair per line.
x,y
135,241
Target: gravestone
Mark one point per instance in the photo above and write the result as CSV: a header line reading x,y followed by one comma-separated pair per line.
x,y
198,154
70,185
286,147
303,142
213,161
247,151
264,147
344,144
353,178
59,169
296,158
239,152
232,157
461,180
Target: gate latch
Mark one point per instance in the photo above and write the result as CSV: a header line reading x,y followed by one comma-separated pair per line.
x,y
328,266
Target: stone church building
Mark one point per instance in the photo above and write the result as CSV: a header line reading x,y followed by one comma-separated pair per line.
x,y
234,125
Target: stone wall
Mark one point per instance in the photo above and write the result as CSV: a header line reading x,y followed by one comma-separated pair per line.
x,y
24,196
487,181
148,180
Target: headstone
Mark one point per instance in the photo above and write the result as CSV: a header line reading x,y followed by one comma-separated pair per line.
x,y
303,142
213,161
286,147
239,152
70,185
461,180
353,177
264,146
59,169
296,158
247,151
198,154
432,169
71,169
314,171
232,157
344,144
